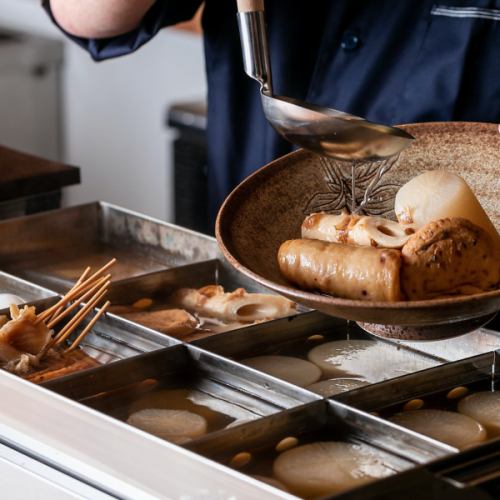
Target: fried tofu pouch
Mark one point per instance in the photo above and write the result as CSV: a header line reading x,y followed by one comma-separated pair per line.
x,y
364,273
449,256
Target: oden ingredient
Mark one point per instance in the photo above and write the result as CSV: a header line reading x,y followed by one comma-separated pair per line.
x,y
364,273
445,426
177,426
354,229
328,467
449,256
438,194
485,408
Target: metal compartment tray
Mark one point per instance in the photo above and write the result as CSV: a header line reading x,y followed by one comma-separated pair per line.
x,y
111,338
159,285
52,248
223,392
25,290
296,335
318,421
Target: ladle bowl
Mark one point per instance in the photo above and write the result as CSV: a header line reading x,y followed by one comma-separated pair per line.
x,y
320,129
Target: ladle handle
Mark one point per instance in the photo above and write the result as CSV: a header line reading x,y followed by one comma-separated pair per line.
x,y
253,34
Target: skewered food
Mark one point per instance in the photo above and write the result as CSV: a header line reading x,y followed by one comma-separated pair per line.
x,y
439,194
355,230
448,427
177,426
449,256
29,345
237,306
363,273
485,408
330,467
327,388
294,370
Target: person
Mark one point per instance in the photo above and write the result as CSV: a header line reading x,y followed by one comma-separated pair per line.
x,y
389,61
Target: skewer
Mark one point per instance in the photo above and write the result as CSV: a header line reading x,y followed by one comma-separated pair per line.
x,y
80,279
68,329
74,292
65,312
86,330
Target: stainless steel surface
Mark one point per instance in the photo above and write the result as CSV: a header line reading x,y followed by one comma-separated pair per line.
x,y
418,385
320,129
160,284
217,383
24,477
107,454
292,337
54,247
252,26
321,421
23,289
480,341
111,338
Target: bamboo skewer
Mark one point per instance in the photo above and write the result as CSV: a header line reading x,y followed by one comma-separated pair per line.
x,y
75,321
74,292
89,327
80,279
53,322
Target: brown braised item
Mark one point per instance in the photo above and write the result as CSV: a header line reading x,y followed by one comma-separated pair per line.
x,y
175,322
364,273
31,347
449,256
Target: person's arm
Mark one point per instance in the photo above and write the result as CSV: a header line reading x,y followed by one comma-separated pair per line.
x,y
99,18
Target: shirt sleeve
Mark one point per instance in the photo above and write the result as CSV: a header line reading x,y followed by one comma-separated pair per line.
x,y
163,13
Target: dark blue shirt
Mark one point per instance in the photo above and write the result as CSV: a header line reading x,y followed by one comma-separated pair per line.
x,y
391,61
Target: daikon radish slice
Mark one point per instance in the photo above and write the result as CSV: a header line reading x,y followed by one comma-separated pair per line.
x,y
448,427
365,359
294,370
7,299
438,194
327,388
330,467
177,426
485,408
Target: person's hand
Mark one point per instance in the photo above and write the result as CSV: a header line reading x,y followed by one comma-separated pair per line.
x,y
99,18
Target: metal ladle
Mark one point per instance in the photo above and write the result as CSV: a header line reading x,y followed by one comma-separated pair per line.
x,y
323,130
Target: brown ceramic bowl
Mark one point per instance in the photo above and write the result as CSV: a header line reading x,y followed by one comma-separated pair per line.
x,y
268,208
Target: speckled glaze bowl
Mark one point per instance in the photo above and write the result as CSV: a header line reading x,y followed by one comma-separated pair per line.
x,y
270,205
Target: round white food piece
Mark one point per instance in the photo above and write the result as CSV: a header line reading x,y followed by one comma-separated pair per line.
x,y
364,359
7,299
177,426
437,194
448,427
485,408
294,370
327,388
328,467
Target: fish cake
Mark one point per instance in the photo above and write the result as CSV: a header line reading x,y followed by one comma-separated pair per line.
x,y
449,256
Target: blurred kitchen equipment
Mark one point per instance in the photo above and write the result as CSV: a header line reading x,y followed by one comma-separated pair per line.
x,y
323,130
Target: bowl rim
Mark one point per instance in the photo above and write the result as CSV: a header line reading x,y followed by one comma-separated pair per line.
x,y
331,300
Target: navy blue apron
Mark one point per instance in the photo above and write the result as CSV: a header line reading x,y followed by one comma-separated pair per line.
x,y
387,60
